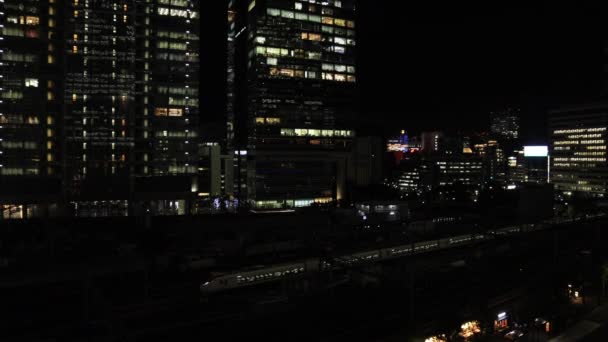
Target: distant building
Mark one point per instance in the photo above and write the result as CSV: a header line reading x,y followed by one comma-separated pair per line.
x,y
409,181
504,124
375,212
494,161
446,175
366,162
400,143
579,139
530,165
431,142
517,170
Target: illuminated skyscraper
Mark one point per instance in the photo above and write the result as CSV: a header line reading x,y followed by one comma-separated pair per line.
x,y
29,107
100,95
505,124
295,99
103,95
578,150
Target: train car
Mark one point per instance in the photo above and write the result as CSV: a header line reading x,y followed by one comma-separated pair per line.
x,y
396,252
260,276
358,258
425,246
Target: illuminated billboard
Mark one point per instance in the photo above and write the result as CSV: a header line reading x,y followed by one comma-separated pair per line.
x,y
536,151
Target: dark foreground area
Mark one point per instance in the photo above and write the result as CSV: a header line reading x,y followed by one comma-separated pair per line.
x,y
506,287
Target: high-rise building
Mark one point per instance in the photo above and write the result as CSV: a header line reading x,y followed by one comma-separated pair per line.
x,y
30,155
366,166
294,99
505,124
579,138
431,141
495,163
104,96
99,98
450,177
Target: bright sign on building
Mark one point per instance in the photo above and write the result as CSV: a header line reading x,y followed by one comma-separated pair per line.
x,y
536,151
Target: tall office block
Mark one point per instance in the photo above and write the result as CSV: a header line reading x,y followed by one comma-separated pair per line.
x,y
29,112
579,138
102,95
294,101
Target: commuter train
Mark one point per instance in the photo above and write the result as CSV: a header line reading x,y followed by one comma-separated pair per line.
x,y
274,273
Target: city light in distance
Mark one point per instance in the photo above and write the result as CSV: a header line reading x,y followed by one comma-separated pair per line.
x,y
536,151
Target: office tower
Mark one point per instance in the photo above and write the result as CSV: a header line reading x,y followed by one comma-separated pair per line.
x,y
231,76
29,111
450,177
517,170
131,103
495,163
409,181
505,124
167,154
366,167
295,99
99,99
578,150
431,141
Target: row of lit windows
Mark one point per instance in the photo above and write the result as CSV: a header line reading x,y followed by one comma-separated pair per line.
x,y
580,130
177,90
176,134
575,165
173,12
338,68
189,57
10,56
584,136
582,142
23,20
292,73
325,10
21,119
172,45
174,112
177,3
27,145
338,77
580,159
589,153
267,121
317,37
297,53
303,132
17,32
6,171
176,35
275,12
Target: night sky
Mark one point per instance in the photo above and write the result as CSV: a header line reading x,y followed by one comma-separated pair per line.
x,y
435,67
458,63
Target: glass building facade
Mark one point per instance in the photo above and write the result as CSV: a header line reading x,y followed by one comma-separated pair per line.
x,y
578,150
102,95
505,123
30,155
297,96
